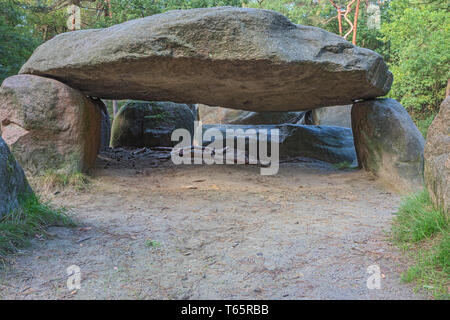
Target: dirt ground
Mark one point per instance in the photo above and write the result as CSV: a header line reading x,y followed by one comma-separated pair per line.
x,y
153,230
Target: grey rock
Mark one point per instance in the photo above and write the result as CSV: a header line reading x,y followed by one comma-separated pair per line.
x,y
325,143
13,183
388,143
150,124
437,158
241,58
220,115
105,130
339,116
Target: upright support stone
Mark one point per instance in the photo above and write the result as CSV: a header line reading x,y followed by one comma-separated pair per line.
x,y
388,143
105,138
49,125
437,158
13,183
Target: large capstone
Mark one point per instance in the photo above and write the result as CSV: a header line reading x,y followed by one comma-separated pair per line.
x,y
437,158
150,124
388,143
49,125
13,183
241,58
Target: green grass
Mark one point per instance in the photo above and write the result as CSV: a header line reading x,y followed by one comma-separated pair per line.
x,y
33,217
152,243
52,180
344,165
417,219
423,231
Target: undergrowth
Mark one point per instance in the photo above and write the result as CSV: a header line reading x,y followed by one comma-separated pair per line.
x,y
423,231
29,220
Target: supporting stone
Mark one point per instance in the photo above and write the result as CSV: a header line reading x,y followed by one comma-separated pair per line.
x,y
13,183
388,143
49,125
105,136
437,158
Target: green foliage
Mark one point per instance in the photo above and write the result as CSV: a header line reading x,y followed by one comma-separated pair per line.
x,y
306,12
16,38
124,10
418,34
424,122
417,219
424,232
30,220
344,165
322,14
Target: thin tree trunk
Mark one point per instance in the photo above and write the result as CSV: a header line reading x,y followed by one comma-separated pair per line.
x,y
115,108
355,22
447,92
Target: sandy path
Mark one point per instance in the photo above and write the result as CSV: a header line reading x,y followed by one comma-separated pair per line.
x,y
220,232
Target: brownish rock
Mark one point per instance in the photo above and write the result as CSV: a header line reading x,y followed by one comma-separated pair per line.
x,y
49,125
437,158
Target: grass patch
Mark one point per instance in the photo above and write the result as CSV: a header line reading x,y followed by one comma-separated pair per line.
x,y
417,219
152,243
31,219
344,165
51,180
423,231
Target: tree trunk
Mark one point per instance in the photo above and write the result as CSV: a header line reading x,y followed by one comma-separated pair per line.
x,y
115,108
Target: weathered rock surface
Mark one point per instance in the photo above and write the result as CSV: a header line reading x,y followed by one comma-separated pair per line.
x,y
105,128
220,115
388,143
150,124
241,58
437,158
13,183
49,125
325,143
339,116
